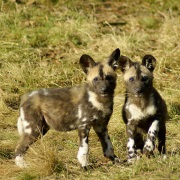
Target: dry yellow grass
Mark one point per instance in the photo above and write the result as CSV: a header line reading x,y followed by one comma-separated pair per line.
x,y
41,43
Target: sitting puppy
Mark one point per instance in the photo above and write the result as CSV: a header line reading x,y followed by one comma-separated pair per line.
x,y
144,110
64,109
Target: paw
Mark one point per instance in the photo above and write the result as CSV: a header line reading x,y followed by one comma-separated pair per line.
x,y
148,148
83,161
113,158
116,160
164,157
132,160
82,158
20,162
148,151
87,167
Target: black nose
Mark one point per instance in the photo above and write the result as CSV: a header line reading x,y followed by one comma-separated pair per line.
x,y
139,90
104,89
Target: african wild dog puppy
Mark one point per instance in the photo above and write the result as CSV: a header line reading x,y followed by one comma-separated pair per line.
x,y
65,109
144,110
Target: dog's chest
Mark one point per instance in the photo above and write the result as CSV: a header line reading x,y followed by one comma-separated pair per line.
x,y
94,111
92,115
137,112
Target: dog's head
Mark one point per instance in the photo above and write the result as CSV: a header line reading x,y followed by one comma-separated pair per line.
x,y
138,76
101,76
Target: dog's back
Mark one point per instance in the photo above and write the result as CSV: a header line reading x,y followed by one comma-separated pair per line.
x,y
64,109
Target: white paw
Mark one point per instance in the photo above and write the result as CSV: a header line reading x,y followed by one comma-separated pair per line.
x,y
133,160
117,160
82,158
20,162
149,146
164,157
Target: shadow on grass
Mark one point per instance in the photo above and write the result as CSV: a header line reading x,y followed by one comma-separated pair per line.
x,y
6,154
176,108
174,111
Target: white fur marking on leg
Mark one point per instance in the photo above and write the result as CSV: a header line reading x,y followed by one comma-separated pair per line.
x,y
164,157
154,128
152,133
132,156
84,119
95,117
80,111
20,126
23,124
33,93
82,153
20,162
28,130
130,146
72,126
149,145
130,131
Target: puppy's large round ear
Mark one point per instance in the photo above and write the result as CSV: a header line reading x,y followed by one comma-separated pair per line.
x,y
149,62
86,62
113,58
124,63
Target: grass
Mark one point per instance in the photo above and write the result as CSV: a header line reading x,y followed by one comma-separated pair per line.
x,y
41,43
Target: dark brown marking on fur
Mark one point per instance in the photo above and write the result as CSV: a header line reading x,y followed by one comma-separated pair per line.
x,y
138,71
65,109
143,105
101,73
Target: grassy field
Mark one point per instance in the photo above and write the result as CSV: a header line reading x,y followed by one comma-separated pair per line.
x,y
41,42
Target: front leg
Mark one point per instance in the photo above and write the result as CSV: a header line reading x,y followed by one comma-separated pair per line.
x,y
106,143
131,130
151,137
83,131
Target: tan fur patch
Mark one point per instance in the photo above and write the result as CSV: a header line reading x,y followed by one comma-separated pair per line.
x,y
93,73
75,95
107,70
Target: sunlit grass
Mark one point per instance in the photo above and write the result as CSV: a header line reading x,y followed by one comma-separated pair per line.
x,y
41,43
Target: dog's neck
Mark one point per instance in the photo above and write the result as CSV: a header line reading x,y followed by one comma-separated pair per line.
x,y
101,97
141,101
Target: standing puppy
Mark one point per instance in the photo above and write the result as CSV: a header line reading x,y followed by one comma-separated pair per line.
x,y
65,109
144,110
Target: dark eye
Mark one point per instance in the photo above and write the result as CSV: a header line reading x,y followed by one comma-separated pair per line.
x,y
131,79
109,78
95,79
144,78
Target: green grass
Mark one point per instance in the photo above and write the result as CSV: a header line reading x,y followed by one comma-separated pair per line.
x,y
41,43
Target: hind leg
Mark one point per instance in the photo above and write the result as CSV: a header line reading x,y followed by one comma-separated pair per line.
x,y
21,148
162,141
23,145
29,131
